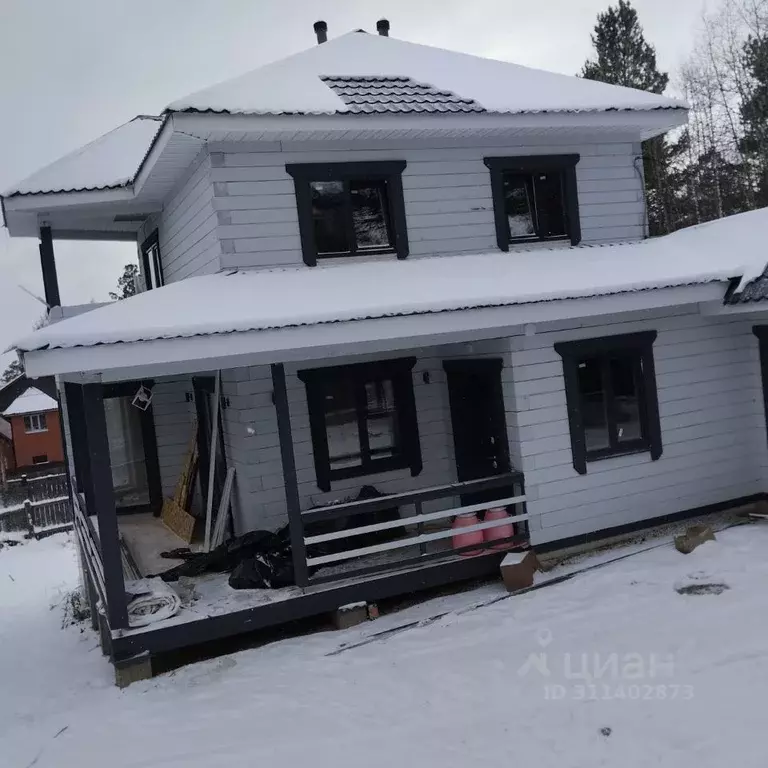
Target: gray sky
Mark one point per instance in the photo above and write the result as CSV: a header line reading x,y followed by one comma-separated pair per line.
x,y
73,70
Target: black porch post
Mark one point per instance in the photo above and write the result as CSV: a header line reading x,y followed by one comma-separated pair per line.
x,y
292,500
74,396
48,265
103,496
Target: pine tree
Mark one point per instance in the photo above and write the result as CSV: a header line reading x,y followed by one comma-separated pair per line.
x,y
126,284
11,372
754,113
624,57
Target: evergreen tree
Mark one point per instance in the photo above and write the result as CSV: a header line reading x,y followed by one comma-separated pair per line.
x,y
754,113
126,284
11,372
624,57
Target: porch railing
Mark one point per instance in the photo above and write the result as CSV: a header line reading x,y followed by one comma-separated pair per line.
x,y
90,549
338,547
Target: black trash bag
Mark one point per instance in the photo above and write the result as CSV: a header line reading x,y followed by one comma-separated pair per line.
x,y
270,571
229,554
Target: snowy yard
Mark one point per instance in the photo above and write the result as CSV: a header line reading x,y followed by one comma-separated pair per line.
x,y
677,680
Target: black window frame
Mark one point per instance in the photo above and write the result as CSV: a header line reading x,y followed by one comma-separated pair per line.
x,y
529,165
387,170
572,353
400,373
43,459
152,242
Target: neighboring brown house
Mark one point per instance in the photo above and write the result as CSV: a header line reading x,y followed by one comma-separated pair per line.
x,y
35,428
7,458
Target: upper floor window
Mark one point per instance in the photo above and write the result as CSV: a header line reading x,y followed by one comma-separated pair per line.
x,y
35,422
150,262
535,199
350,209
610,389
362,419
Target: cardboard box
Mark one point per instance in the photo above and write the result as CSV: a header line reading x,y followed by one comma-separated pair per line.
x,y
517,570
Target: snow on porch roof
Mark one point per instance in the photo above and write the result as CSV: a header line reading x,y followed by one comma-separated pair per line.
x,y
232,302
295,85
32,401
113,160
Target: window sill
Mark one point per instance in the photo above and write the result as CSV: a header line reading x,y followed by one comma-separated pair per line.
x,y
35,431
377,468
358,258
540,245
602,456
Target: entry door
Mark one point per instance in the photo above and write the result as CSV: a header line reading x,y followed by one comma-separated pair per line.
x,y
132,449
478,421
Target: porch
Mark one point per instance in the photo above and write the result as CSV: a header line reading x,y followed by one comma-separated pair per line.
x,y
341,548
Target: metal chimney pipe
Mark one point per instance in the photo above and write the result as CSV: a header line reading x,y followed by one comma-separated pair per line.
x,y
321,30
382,27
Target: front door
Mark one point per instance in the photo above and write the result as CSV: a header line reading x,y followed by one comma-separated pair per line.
x,y
479,426
132,449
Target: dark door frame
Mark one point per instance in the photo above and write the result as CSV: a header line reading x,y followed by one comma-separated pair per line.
x,y
490,368
148,439
761,331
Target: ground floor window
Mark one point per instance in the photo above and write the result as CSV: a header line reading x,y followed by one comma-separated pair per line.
x,y
42,459
610,387
362,419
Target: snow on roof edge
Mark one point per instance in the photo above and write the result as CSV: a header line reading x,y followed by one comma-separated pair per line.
x,y
18,190
412,313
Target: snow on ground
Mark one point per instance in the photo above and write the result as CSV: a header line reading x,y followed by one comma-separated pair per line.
x,y
682,677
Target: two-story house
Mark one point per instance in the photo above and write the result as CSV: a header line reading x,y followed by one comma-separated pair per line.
x,y
392,287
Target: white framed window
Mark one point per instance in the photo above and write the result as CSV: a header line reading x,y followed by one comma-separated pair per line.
x,y
35,422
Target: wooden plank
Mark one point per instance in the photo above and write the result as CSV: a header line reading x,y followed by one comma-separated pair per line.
x,y
221,516
212,453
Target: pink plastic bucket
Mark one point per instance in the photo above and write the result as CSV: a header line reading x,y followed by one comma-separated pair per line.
x,y
499,532
468,539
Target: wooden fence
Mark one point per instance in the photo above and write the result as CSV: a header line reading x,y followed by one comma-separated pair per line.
x,y
35,504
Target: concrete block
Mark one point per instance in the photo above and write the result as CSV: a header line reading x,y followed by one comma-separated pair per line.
x,y
350,615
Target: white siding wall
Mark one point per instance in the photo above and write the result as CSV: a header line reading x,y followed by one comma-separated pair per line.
x,y
254,448
712,423
174,417
447,194
710,402
186,226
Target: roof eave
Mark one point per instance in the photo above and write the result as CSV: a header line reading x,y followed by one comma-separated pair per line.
x,y
645,123
128,360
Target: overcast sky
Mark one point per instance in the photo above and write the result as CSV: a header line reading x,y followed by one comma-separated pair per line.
x,y
74,69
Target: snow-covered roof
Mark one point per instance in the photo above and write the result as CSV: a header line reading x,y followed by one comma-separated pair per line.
x,y
295,85
5,429
111,161
242,301
32,401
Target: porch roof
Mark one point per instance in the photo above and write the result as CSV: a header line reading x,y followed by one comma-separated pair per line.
x,y
331,296
109,162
